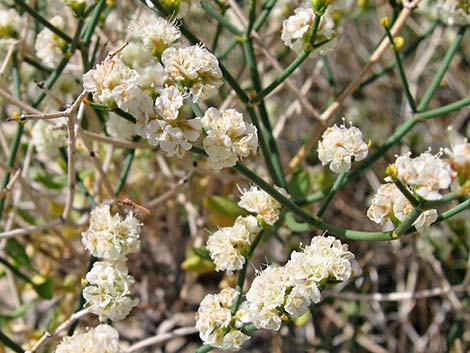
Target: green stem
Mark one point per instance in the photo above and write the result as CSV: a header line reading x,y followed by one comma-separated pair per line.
x,y
9,343
220,18
334,189
125,172
43,21
273,153
329,73
406,192
453,211
401,71
251,18
446,109
407,223
432,88
204,349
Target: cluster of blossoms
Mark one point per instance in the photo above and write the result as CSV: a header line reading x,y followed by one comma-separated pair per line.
x,y
426,174
390,204
451,12
216,324
287,291
151,79
101,339
229,138
340,146
276,294
50,48
111,239
297,29
229,246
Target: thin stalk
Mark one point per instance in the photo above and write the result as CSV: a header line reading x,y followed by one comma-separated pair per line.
x,y
271,141
401,71
125,171
407,223
329,74
446,109
453,211
204,349
432,88
410,49
220,18
9,343
43,21
334,189
406,192
251,18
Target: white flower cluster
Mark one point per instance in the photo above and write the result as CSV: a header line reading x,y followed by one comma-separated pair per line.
x,y
165,129
229,138
340,145
108,292
154,77
50,48
287,291
110,238
426,174
451,12
101,339
228,246
48,137
260,202
194,69
115,84
215,323
10,24
157,34
297,29
389,204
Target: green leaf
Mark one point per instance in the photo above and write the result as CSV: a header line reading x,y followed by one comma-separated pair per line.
x,y
16,251
18,312
223,211
295,226
202,252
299,184
52,181
44,289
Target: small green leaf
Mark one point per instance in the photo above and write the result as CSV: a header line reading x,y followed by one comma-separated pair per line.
x,y
295,226
223,211
16,251
44,289
202,252
299,184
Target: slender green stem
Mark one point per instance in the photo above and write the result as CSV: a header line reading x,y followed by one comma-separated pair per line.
x,y
125,171
9,343
204,349
329,73
410,49
454,211
334,189
91,25
407,223
239,287
16,271
451,196
401,71
274,156
251,18
116,110
406,192
432,88
43,21
220,18
446,109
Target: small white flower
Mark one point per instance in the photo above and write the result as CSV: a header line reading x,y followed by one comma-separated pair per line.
x,y
194,69
451,12
214,321
297,28
48,137
267,295
229,138
101,339
49,46
115,84
340,145
110,237
381,207
427,174
156,33
10,23
169,103
108,292
260,202
228,246
459,159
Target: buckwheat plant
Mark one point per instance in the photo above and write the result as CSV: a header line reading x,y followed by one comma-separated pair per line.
x,y
217,175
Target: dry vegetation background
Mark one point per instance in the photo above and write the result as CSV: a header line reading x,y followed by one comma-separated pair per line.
x,y
407,295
